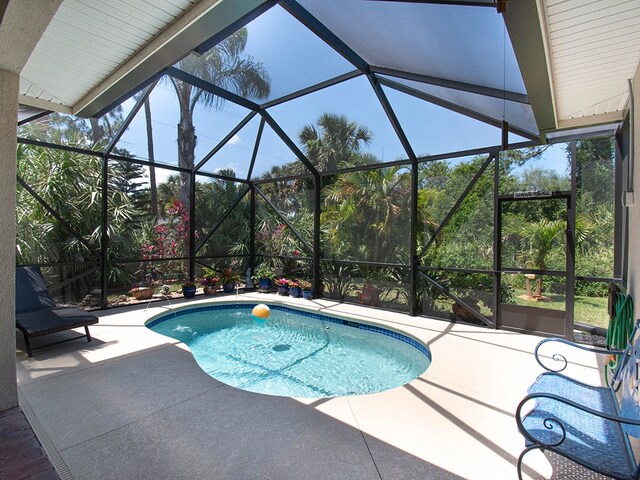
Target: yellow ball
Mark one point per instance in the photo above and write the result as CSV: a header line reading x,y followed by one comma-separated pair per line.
x,y
261,311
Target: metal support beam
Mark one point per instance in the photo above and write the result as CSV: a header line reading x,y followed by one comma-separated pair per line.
x,y
313,24
57,216
571,247
413,242
192,226
312,89
127,121
317,253
226,139
219,222
455,108
455,85
104,235
458,300
38,115
252,229
256,147
209,87
455,207
391,115
497,242
288,142
284,220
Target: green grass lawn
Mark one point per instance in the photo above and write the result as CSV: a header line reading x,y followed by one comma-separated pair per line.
x,y
587,310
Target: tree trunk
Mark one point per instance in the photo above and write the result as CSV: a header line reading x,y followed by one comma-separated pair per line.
x,y
527,283
97,132
186,159
538,293
152,170
186,154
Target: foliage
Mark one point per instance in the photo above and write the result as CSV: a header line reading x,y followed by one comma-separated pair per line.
x,y
264,271
228,275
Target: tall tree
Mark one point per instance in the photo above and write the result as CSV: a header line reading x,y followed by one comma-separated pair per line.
x,y
152,168
224,66
334,142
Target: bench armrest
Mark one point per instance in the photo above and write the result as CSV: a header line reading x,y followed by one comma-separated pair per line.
x,y
558,357
551,421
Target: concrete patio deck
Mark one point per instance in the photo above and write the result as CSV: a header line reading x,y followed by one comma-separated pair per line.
x,y
133,404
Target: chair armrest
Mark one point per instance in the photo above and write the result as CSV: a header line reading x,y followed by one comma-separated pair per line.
x,y
551,421
558,357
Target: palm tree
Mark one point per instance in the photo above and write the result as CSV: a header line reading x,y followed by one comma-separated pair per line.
x,y
336,143
223,66
540,240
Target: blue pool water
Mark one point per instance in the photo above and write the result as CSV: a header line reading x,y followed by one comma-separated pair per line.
x,y
294,353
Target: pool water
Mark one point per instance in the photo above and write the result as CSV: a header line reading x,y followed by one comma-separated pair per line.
x,y
294,353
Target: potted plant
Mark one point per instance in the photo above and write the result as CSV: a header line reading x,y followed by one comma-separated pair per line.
x,y
264,276
229,278
209,284
188,289
283,286
294,289
307,293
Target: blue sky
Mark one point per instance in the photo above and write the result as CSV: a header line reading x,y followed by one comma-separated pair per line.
x,y
295,58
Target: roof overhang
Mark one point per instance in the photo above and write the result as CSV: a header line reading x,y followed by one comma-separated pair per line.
x,y
101,82
576,59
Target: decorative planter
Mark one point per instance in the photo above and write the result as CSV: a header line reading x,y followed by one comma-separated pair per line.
x,y
189,292
229,287
295,292
142,292
370,295
283,290
307,294
264,285
209,290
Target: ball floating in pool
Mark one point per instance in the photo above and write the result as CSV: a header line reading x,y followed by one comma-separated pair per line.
x,y
261,311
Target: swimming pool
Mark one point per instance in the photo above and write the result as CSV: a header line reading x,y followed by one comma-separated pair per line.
x,y
294,353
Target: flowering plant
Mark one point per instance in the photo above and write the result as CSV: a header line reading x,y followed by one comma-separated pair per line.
x,y
294,283
305,285
282,282
209,281
229,276
188,284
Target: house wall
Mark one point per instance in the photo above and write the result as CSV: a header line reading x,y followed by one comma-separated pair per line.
x,y
633,278
21,26
9,82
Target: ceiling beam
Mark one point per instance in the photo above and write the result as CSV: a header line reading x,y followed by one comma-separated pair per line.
x,y
526,29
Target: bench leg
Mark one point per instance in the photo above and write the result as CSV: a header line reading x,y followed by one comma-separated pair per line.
x,y
524,452
86,329
28,344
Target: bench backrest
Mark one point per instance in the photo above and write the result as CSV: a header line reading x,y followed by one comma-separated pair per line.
x,y
627,381
31,290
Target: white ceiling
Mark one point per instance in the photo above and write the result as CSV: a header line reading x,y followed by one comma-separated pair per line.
x,y
593,47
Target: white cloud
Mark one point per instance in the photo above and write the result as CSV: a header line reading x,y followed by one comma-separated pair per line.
x,y
235,140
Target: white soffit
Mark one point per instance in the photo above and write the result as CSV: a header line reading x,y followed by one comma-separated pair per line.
x,y
593,48
86,41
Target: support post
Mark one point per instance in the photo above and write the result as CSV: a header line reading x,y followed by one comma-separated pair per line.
x,y
192,226
571,248
104,238
317,254
252,228
413,280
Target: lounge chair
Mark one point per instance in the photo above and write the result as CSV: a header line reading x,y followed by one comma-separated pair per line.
x,y
37,313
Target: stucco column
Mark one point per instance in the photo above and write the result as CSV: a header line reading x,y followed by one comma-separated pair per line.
x,y
9,83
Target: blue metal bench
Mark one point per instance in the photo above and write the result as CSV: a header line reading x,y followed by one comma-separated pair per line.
x,y
587,424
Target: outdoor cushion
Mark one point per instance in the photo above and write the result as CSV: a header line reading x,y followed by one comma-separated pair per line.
x,y
31,291
51,320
